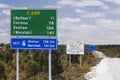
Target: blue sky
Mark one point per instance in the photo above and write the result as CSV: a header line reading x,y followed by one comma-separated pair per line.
x,y
91,21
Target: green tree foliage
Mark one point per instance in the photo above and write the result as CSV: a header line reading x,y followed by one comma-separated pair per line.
x,y
41,57
33,68
1,56
2,72
110,50
56,66
8,57
64,61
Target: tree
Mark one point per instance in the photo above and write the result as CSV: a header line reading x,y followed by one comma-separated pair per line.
x,y
33,68
2,72
8,57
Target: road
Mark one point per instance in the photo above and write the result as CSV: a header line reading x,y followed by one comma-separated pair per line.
x,y
107,69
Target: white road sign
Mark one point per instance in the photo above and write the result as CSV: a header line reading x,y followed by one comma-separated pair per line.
x,y
75,47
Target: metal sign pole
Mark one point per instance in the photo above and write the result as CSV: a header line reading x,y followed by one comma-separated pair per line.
x,y
17,65
80,61
69,60
50,76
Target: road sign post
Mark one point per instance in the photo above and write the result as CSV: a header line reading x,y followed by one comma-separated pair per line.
x,y
17,64
75,47
40,23
69,60
80,60
50,72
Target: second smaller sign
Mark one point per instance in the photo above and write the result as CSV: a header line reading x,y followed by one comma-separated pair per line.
x,y
75,47
34,43
91,47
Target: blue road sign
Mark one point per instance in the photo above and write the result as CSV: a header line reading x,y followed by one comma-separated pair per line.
x,y
91,47
34,43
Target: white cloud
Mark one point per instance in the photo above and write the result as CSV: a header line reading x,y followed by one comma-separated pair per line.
x,y
108,24
82,3
105,7
52,6
78,4
108,21
3,34
5,38
73,30
114,1
88,3
4,6
94,15
66,2
68,23
80,11
108,30
6,12
4,21
115,11
70,20
72,24
20,8
1,30
104,21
